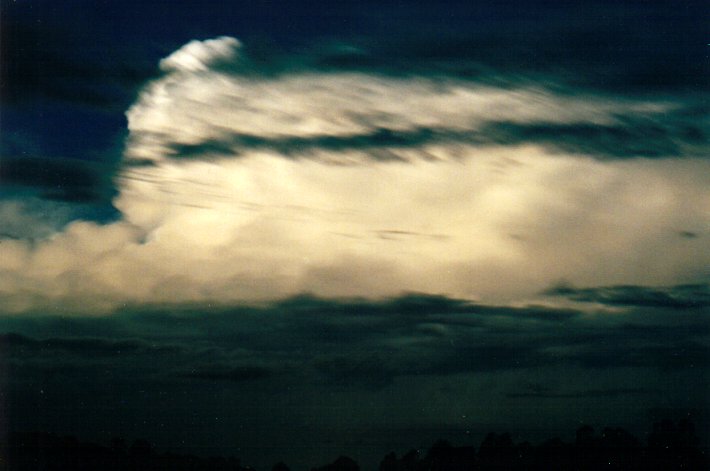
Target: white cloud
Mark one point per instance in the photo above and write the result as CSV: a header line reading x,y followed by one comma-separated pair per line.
x,y
498,223
198,105
198,56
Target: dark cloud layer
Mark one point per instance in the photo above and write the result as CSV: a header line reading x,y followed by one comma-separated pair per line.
x,y
591,393
235,374
364,340
675,297
253,367
80,346
635,136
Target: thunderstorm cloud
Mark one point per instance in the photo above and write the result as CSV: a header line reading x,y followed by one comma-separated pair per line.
x,y
236,186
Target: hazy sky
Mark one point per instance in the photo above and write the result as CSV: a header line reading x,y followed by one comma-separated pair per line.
x,y
223,224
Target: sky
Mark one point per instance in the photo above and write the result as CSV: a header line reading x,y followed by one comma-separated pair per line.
x,y
294,230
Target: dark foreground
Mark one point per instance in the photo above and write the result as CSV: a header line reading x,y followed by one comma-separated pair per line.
x,y
669,446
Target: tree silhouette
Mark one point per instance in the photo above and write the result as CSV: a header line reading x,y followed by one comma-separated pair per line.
x,y
343,463
389,462
280,466
670,446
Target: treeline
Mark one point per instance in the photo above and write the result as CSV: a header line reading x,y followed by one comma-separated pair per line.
x,y
669,446
39,451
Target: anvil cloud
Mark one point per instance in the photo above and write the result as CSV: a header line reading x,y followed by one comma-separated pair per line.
x,y
237,186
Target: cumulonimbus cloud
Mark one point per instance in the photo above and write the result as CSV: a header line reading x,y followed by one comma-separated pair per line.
x,y
251,222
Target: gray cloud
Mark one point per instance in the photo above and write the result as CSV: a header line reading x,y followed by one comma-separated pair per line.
x,y
357,370
427,335
667,357
232,374
677,297
15,343
415,359
674,134
583,394
410,335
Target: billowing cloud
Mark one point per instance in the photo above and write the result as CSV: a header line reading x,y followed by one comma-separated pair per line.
x,y
199,56
240,187
227,110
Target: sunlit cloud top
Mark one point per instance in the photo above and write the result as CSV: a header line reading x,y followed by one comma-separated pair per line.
x,y
239,187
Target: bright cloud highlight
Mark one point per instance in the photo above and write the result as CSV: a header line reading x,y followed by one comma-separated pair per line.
x,y
371,207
